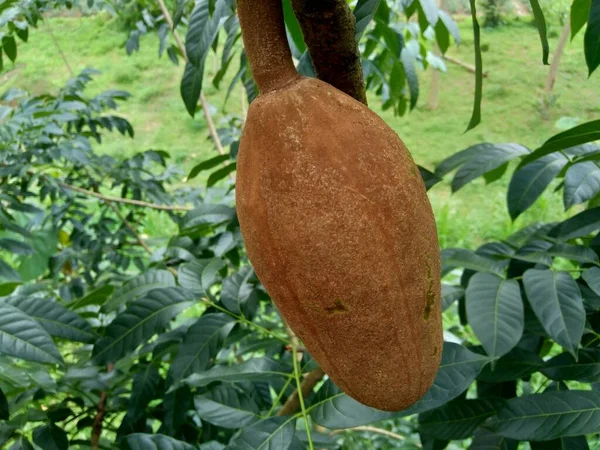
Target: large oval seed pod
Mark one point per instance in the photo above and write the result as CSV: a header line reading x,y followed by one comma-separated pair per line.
x,y
337,225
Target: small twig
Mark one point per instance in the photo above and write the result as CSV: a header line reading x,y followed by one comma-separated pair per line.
x,y
58,47
462,64
127,201
211,125
97,427
371,430
129,227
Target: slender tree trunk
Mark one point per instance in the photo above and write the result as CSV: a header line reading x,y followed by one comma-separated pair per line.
x,y
553,72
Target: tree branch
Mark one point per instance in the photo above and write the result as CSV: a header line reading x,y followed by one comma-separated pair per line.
x,y
329,29
128,201
129,227
371,430
97,427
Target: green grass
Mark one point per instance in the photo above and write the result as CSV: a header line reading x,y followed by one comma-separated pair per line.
x,y
513,107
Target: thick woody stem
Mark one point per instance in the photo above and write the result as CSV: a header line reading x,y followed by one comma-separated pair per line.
x,y
329,29
265,41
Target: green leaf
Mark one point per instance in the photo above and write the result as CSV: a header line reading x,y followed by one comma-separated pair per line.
x,y
577,253
364,11
332,408
476,116
176,405
540,22
57,320
206,165
565,443
592,38
220,174
486,159
96,297
139,286
548,416
202,31
4,413
528,183
145,388
199,275
144,318
580,11
518,363
254,369
293,26
579,225
191,87
458,419
275,433
17,247
200,346
409,60
8,273
50,437
237,294
22,443
564,366
484,439
495,312
557,303
582,183
496,174
581,134
459,257
431,11
227,407
457,159
592,278
9,44
205,217
429,178
8,288
450,25
140,441
22,337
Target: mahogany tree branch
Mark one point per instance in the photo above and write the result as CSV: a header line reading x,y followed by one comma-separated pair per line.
x,y
98,420
127,201
329,29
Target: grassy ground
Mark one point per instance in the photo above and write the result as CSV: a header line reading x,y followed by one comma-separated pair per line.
x,y
513,108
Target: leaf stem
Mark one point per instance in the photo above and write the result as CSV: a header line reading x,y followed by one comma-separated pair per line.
x,y
301,397
276,402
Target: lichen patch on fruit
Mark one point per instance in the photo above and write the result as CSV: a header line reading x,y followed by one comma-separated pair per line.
x,y
430,295
337,308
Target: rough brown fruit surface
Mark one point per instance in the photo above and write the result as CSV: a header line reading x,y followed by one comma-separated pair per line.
x,y
339,230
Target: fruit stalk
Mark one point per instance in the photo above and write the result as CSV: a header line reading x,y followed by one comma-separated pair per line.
x,y
265,40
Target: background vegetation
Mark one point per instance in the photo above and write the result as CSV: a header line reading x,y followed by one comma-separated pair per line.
x,y
90,280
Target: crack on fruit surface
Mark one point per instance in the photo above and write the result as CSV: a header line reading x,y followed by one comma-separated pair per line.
x,y
337,308
430,295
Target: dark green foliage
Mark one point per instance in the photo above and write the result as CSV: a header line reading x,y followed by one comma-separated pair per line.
x,y
174,344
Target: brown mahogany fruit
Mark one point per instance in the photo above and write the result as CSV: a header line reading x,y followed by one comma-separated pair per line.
x,y
337,225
